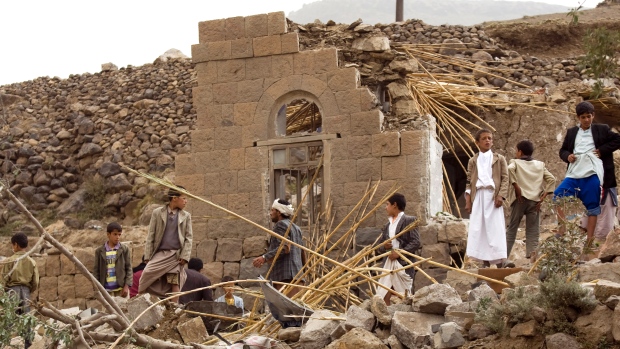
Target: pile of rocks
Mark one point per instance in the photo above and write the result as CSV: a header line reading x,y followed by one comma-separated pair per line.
x,y
58,132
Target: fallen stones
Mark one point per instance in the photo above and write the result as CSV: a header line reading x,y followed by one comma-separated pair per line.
x,y
380,310
611,247
482,291
371,44
615,329
562,341
137,305
477,331
357,338
595,325
316,333
604,289
193,330
413,329
435,298
449,336
290,334
524,329
359,318
520,279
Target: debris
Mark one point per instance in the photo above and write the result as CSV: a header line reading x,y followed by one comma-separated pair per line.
x,y
413,329
449,336
193,331
138,305
435,298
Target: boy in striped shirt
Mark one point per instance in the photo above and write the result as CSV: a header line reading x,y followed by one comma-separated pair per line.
x,y
113,263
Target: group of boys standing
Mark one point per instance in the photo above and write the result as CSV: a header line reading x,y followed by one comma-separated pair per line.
x,y
587,149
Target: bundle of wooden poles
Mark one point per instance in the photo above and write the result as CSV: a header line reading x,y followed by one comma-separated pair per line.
x,y
452,98
338,272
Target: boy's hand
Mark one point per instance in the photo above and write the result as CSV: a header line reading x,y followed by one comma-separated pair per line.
x,y
387,245
393,255
597,153
258,262
468,206
572,158
499,201
182,261
539,203
125,291
518,193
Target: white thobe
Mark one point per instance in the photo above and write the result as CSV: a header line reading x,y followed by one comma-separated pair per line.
x,y
399,281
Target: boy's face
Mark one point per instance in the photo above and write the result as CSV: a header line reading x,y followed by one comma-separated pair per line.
x,y
15,247
228,288
114,237
391,209
519,153
178,202
485,142
585,120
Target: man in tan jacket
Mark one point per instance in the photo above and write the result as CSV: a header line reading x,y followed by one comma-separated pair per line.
x,y
168,247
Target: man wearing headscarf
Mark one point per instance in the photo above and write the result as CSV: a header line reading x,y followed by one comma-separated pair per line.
x,y
289,261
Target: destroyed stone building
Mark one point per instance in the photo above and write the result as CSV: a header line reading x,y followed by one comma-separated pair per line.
x,y
220,121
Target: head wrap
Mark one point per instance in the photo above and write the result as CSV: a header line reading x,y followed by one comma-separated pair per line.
x,y
286,210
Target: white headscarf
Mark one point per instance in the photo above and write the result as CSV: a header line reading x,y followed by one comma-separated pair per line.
x,y
286,210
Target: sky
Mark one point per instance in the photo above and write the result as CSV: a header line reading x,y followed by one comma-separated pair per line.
x,y
63,37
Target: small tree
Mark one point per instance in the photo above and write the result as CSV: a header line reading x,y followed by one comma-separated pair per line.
x,y
601,45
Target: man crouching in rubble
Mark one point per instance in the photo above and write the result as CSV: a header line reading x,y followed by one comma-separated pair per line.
x,y
410,241
168,247
290,260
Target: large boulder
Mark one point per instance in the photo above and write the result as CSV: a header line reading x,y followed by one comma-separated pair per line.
x,y
359,318
482,291
357,338
435,298
89,149
600,271
139,304
605,289
596,325
414,330
372,44
611,247
316,332
562,341
74,203
380,310
449,336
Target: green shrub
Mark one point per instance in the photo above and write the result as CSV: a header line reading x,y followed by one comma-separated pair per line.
x,y
94,200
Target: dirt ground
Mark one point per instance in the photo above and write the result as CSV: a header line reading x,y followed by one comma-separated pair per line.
x,y
551,36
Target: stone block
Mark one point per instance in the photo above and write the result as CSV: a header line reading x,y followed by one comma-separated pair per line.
x,y
393,167
435,298
193,330
52,265
227,137
455,232
250,180
243,113
338,332
231,70
79,303
368,169
449,336
600,271
225,93
211,162
40,261
343,79
206,73
326,61
357,338
229,250
256,158
194,183
237,160
250,90
48,288
461,282
316,333
258,67
386,144
611,247
253,133
304,62
439,252
368,100
353,193
359,318
211,51
282,65
234,28
241,48
337,124
359,147
330,104
413,330
83,287
379,309
276,23
413,142
248,272
342,171
603,289
349,103
214,271
137,305
421,281
86,255
231,269
457,309
254,246
206,250
267,46
313,85
66,287
289,42
214,30
429,233
257,25
239,202
366,123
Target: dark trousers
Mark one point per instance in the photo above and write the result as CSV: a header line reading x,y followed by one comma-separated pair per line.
x,y
532,225
23,294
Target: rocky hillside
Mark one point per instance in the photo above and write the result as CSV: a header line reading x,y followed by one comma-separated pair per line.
x,y
58,134
435,12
